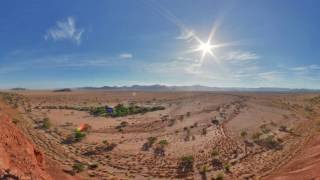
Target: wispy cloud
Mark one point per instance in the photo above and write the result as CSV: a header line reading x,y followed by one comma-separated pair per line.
x,y
301,68
240,55
270,75
314,66
65,30
186,35
305,68
126,56
210,70
72,61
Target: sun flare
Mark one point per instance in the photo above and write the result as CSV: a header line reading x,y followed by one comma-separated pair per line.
x,y
206,48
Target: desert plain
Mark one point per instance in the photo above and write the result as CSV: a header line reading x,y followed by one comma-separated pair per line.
x,y
166,135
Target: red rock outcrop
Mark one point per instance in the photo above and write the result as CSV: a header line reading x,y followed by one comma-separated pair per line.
x,y
19,159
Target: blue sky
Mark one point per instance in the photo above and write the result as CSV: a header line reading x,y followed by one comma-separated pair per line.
x,y
54,44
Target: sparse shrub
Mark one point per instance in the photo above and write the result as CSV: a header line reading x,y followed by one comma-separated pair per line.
x,y
78,167
243,133
157,108
214,153
264,129
204,131
186,164
216,164
146,146
106,147
188,134
220,176
123,123
256,135
215,122
280,140
100,149
46,124
152,140
163,142
188,114
180,117
269,142
203,171
160,148
93,166
78,136
227,167
193,138
15,121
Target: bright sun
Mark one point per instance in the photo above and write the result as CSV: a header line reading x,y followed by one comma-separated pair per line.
x,y
205,48
208,47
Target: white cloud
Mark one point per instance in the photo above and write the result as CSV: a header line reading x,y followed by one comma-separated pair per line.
x,y
314,66
305,68
301,68
240,55
126,56
269,76
65,30
186,35
209,70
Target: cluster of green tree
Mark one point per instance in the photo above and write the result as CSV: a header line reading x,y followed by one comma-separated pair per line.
x,y
120,110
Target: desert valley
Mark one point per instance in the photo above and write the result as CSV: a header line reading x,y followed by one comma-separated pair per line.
x,y
96,134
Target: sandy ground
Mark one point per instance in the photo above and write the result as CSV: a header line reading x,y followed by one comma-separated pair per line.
x,y
186,124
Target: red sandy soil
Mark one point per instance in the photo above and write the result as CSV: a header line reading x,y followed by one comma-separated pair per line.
x,y
19,158
304,166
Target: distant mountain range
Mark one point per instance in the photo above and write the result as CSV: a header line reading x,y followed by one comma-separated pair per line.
x,y
157,87
18,89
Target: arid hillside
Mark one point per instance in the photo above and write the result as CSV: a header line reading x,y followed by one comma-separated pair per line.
x,y
20,158
306,163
